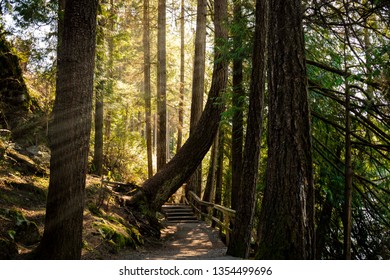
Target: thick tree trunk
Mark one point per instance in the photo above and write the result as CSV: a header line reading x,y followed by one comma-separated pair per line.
x,y
287,213
147,89
168,180
237,103
161,87
241,236
195,183
69,134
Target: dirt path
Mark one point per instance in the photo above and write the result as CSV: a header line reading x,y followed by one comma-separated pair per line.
x,y
186,241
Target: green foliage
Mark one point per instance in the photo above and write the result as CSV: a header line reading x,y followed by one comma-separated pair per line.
x,y
366,62
27,12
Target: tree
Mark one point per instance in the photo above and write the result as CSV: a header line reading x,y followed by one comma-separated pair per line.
x,y
237,103
161,87
69,133
195,183
209,192
287,211
157,190
99,102
147,88
181,92
241,236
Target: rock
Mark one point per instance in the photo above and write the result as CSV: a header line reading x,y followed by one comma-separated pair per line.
x,y
14,96
40,154
8,249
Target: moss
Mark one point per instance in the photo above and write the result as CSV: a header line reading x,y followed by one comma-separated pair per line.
x,y
117,235
115,219
95,210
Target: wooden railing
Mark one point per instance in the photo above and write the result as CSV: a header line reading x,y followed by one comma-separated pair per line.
x,y
217,215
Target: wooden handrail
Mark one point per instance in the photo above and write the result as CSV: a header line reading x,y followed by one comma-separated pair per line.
x,y
228,214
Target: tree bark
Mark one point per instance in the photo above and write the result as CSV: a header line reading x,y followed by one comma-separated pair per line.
x,y
69,134
147,88
157,190
161,87
241,236
195,183
287,213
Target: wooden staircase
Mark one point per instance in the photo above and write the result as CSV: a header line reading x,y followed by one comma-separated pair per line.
x,y
179,213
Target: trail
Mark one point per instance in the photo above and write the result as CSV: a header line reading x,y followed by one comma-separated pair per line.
x,y
183,241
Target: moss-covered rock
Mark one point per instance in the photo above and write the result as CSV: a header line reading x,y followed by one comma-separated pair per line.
x,y
117,234
20,113
14,97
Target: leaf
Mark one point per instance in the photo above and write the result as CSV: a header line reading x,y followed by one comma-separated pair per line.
x,y
11,234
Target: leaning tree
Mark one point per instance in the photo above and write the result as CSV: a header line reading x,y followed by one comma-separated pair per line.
x,y
157,190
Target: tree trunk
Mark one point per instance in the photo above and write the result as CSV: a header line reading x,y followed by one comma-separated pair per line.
x,y
69,134
161,87
219,174
110,71
241,236
287,213
237,103
181,103
168,180
348,179
323,228
98,147
195,183
99,103
147,89
210,190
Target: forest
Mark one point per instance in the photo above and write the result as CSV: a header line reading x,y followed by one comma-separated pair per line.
x,y
275,110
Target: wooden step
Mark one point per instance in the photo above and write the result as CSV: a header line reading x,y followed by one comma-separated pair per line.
x,y
179,213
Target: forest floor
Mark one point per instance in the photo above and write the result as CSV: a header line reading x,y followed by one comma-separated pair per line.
x,y
109,232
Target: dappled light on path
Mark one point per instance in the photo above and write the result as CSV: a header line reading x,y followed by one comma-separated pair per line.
x,y
184,241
